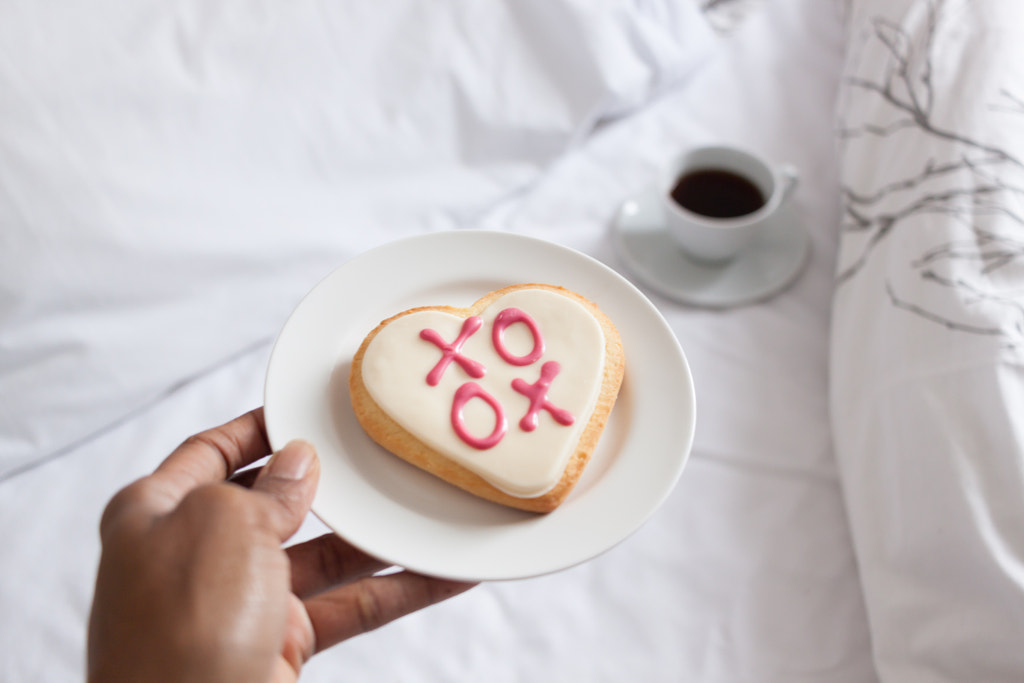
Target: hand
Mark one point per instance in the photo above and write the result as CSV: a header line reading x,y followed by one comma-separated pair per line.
x,y
193,584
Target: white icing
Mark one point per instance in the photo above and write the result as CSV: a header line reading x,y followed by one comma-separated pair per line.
x,y
522,464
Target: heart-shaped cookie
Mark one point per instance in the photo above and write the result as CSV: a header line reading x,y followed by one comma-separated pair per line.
x,y
506,399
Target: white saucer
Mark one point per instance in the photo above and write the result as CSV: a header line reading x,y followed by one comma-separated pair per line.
x,y
409,518
771,263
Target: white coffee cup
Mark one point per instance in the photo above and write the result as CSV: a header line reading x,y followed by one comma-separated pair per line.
x,y
714,239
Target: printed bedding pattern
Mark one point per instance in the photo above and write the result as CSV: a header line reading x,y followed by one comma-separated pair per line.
x,y
926,376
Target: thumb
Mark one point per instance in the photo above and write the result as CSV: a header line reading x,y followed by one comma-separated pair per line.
x,y
288,480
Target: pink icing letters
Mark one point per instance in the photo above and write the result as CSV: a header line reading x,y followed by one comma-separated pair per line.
x,y
538,395
510,316
463,395
453,352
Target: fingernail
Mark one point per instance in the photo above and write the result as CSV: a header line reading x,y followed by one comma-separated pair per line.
x,y
293,461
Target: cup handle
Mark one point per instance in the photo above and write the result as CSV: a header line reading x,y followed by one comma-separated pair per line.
x,y
790,177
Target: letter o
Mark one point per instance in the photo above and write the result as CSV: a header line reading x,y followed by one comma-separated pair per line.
x,y
510,316
464,395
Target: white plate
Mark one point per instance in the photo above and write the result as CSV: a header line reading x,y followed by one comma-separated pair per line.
x,y
767,266
406,517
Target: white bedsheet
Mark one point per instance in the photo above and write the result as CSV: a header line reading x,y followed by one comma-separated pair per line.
x,y
174,178
746,574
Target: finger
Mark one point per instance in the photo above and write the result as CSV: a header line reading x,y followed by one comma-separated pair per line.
x,y
287,484
327,561
370,603
204,458
298,644
283,672
212,456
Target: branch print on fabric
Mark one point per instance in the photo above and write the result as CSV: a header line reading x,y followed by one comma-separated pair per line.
x,y
953,171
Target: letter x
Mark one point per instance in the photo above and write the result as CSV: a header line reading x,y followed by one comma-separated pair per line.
x,y
538,395
453,352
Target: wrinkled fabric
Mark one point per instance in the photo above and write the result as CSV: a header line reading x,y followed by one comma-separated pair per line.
x,y
254,148
173,178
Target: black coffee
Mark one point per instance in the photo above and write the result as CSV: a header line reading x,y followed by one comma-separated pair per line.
x,y
717,194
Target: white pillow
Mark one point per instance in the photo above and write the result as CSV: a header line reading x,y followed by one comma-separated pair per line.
x,y
928,333
174,176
